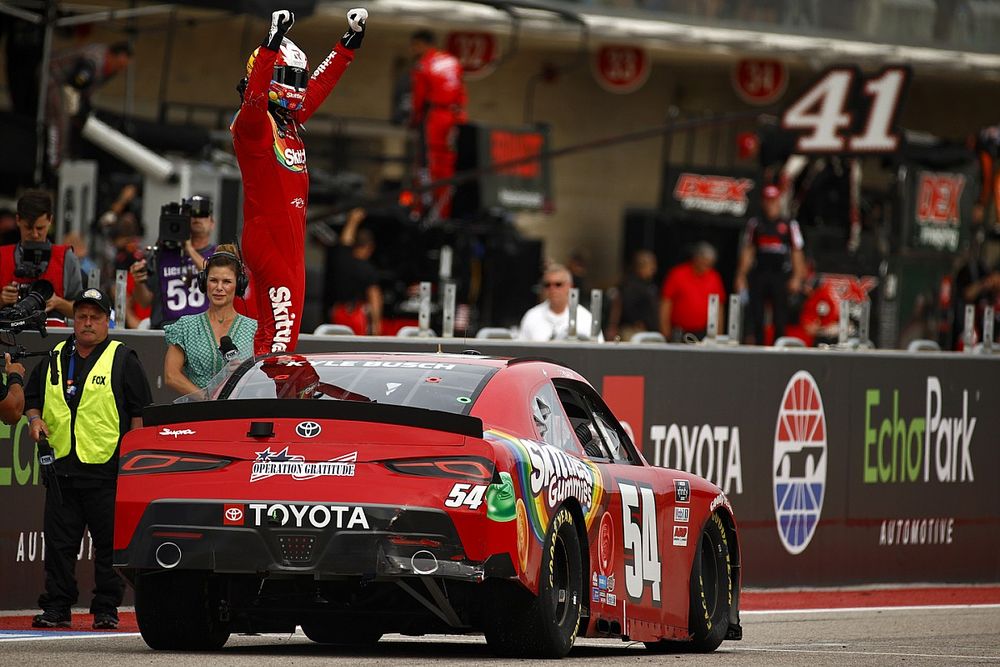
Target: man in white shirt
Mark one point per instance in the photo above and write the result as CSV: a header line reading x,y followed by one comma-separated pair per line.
x,y
549,320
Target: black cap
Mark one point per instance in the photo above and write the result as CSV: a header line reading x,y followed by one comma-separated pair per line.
x,y
96,297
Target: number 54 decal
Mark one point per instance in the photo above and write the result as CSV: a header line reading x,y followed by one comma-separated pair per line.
x,y
466,494
642,552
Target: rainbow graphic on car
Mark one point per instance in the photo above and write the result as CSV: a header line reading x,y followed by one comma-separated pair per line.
x,y
546,476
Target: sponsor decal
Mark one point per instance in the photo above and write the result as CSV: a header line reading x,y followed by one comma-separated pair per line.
x,y
308,516
611,600
680,536
916,532
271,464
284,319
595,595
799,463
682,514
712,452
323,65
918,449
308,429
298,202
547,476
640,542
682,491
232,515
183,431
713,194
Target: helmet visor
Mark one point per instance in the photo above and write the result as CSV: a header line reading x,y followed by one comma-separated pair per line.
x,y
296,77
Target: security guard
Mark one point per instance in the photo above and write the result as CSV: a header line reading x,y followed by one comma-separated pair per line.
x,y
94,396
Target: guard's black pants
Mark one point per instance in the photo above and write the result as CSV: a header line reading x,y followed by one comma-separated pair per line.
x,y
82,508
768,286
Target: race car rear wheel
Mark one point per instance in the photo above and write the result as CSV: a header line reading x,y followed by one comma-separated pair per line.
x,y
542,626
711,588
179,611
342,633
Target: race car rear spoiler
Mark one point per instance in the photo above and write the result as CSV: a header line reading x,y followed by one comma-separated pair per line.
x,y
400,415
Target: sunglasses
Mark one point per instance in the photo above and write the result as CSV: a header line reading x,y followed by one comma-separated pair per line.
x,y
553,284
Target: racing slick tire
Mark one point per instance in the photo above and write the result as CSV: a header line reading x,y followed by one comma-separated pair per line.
x,y
711,594
179,611
543,626
342,633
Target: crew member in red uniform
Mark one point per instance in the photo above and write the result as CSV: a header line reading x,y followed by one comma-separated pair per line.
x,y
272,157
684,297
771,264
439,99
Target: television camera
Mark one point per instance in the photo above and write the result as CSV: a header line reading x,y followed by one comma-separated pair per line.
x,y
175,224
35,258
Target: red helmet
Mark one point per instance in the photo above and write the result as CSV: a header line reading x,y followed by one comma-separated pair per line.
x,y
290,77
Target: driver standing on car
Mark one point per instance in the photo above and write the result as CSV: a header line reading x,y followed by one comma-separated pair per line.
x,y
84,406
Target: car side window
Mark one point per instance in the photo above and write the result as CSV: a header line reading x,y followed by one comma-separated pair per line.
x,y
551,424
599,432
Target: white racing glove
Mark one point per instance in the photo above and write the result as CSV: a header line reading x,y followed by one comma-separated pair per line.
x,y
356,20
281,22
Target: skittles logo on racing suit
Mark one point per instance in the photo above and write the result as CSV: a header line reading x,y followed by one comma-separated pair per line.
x,y
292,159
546,477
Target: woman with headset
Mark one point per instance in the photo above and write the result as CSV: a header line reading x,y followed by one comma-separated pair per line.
x,y
198,346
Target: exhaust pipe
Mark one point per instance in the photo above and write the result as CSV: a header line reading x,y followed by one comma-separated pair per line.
x,y
428,562
168,555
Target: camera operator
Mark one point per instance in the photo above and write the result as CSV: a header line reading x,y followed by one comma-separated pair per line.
x,y
169,283
83,399
35,258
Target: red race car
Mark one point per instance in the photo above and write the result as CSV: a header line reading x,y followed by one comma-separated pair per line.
x,y
360,494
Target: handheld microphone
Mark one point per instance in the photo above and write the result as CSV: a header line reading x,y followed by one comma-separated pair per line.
x,y
228,349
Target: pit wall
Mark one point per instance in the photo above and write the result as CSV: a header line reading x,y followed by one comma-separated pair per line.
x,y
844,468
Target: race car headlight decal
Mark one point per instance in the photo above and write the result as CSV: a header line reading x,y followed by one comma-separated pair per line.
x,y
144,462
459,467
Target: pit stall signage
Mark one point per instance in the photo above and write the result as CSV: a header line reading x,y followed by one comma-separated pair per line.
x,y
621,68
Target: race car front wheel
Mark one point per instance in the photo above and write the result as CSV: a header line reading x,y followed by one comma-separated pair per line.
x,y
348,632
711,588
543,626
179,611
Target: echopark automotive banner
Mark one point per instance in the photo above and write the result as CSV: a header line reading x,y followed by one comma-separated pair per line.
x,y
842,468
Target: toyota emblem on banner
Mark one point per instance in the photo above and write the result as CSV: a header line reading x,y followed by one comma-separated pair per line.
x,y
308,429
232,515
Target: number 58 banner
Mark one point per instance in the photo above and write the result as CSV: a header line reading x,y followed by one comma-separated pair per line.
x,y
844,111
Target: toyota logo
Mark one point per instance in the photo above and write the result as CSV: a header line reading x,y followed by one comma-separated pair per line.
x,y
234,514
308,429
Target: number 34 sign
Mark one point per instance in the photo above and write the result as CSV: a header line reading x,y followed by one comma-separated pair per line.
x,y
846,112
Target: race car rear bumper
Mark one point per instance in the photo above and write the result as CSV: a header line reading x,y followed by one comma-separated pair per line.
x,y
325,541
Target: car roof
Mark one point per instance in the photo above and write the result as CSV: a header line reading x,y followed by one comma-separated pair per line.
x,y
471,357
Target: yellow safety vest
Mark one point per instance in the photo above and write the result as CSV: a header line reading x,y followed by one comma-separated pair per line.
x,y
96,425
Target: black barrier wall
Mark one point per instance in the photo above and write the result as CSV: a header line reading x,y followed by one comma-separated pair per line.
x,y
843,468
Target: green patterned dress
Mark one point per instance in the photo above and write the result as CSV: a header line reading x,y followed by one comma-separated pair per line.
x,y
202,359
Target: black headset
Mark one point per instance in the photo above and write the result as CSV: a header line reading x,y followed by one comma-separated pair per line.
x,y
242,280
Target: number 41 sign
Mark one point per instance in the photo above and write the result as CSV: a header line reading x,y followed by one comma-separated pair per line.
x,y
846,112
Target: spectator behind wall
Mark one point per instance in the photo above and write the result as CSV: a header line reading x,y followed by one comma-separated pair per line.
x,y
771,265
195,352
685,293
352,281
24,262
635,304
549,320
170,287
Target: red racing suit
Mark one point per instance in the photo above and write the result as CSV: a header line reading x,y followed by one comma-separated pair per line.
x,y
438,106
272,158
